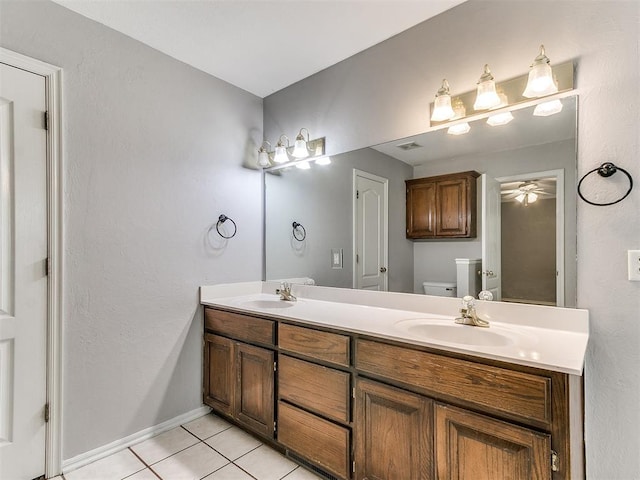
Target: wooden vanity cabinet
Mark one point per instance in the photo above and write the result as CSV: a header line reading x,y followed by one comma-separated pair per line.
x,y
444,206
239,377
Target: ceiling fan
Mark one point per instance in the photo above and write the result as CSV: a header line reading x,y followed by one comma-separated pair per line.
x,y
526,193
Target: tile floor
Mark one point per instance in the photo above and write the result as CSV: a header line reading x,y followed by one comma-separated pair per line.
x,y
206,448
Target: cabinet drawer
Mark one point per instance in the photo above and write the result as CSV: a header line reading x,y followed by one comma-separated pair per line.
x,y
321,389
241,327
329,347
519,395
316,439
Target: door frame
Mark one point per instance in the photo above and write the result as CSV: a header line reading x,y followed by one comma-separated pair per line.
x,y
385,181
560,247
53,87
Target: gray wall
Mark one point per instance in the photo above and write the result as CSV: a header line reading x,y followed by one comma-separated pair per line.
x,y
321,200
383,93
435,260
153,154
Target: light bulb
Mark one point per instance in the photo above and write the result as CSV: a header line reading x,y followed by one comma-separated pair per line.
x,y
263,158
281,155
540,82
486,96
442,104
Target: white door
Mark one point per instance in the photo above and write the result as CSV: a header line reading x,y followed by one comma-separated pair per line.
x,y
491,254
370,231
23,277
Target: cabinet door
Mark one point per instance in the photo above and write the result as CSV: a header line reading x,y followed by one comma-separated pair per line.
x,y
452,209
394,433
254,395
219,379
473,447
421,210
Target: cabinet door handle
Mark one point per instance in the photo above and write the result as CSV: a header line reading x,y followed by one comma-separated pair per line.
x,y
383,269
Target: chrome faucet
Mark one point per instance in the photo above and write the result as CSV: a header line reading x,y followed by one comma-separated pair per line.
x,y
285,292
468,315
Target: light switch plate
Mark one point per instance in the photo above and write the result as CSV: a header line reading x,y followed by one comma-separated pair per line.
x,y
336,258
634,265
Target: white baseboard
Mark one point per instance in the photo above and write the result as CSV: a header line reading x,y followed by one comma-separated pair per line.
x,y
113,447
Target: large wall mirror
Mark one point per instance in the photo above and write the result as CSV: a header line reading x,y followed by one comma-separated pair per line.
x,y
526,248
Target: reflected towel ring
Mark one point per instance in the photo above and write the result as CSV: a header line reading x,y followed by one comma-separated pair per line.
x,y
296,226
221,219
606,170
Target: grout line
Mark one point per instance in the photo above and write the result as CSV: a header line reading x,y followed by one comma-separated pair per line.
x,y
144,463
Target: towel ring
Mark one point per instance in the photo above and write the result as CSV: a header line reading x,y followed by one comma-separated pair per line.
x,y
221,219
606,170
296,226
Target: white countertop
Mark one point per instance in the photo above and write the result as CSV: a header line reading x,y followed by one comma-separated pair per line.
x,y
551,338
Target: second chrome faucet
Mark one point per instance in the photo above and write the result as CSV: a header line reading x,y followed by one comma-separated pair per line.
x,y
468,315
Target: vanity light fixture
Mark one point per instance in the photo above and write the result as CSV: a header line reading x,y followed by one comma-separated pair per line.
x,y
460,112
540,82
263,155
501,118
300,145
548,108
442,105
281,155
486,96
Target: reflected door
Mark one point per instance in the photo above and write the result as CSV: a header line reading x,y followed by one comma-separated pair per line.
x,y
23,276
370,231
491,239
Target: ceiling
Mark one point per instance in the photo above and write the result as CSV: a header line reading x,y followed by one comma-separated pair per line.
x,y
260,46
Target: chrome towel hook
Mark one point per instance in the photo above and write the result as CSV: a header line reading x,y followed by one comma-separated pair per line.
x,y
221,219
606,170
299,233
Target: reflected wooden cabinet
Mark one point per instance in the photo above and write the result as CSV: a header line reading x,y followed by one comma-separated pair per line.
x,y
442,207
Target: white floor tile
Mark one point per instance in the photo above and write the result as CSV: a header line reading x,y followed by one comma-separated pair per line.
x,y
145,474
233,443
114,467
301,474
230,472
164,445
193,463
206,426
266,464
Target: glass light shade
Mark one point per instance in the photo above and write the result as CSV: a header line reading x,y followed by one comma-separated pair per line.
x,y
281,154
548,108
323,161
303,165
263,158
532,197
520,198
540,81
442,104
486,96
500,119
300,148
459,129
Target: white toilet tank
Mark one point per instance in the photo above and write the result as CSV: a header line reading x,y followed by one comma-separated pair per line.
x,y
440,289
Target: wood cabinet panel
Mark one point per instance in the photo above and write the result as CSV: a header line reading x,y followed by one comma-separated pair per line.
x,y
393,433
475,447
452,209
240,327
421,210
218,381
325,346
320,389
520,395
254,398
318,440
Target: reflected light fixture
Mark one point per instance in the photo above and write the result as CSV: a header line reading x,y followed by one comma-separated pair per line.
x,y
486,96
460,112
323,161
548,108
281,150
527,198
300,145
303,165
501,118
540,82
442,104
263,155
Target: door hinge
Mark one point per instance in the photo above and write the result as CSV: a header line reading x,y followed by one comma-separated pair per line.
x,y
357,258
554,461
47,266
357,194
46,120
46,412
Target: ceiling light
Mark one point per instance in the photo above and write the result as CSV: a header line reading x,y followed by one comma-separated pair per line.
x,y
263,155
323,161
501,118
540,82
442,105
486,96
300,145
548,108
281,150
460,112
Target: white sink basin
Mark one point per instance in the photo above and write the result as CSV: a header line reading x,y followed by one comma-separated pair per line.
x,y
449,332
